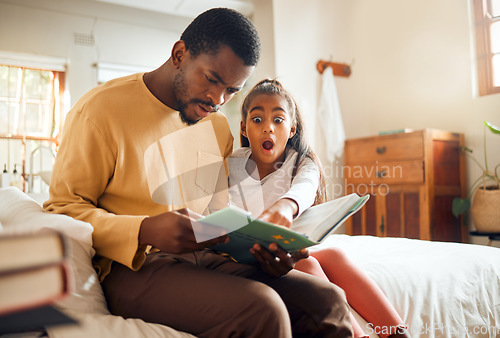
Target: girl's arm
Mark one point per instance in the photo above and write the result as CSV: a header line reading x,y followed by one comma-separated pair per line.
x,y
281,212
301,195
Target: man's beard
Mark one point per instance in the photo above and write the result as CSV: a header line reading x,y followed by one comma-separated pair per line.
x,y
180,91
183,115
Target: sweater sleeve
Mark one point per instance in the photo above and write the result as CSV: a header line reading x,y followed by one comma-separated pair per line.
x,y
84,165
304,185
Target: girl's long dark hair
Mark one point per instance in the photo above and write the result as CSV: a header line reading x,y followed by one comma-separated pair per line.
x,y
298,141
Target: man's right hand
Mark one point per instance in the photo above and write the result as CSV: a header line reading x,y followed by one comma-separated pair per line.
x,y
172,232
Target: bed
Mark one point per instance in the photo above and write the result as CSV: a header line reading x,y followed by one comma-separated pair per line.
x,y
440,289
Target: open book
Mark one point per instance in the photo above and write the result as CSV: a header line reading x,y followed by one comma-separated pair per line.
x,y
310,228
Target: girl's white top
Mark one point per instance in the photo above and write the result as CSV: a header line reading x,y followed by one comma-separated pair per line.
x,y
247,191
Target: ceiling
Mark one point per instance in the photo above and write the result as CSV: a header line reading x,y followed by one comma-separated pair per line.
x,y
185,8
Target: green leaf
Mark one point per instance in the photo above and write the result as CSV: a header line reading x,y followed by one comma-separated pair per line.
x,y
460,206
492,127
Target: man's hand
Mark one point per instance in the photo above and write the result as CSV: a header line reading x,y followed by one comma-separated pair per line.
x,y
281,212
276,261
172,232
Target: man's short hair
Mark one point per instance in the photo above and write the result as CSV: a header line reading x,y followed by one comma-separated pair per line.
x,y
219,27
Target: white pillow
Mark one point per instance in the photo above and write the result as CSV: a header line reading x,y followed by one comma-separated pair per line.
x,y
20,214
86,304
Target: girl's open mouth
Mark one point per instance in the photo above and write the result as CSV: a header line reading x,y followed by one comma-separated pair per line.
x,y
268,145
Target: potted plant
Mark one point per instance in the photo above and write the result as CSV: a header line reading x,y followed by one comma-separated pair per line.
x,y
485,192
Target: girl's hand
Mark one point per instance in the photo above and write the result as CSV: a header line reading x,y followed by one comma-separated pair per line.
x,y
281,212
276,261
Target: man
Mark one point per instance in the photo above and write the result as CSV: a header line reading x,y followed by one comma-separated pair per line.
x,y
139,159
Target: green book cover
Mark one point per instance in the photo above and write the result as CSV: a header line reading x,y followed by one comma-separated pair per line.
x,y
309,229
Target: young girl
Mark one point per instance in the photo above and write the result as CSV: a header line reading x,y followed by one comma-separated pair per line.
x,y
277,176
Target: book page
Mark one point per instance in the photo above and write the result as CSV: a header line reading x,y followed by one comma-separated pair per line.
x,y
319,219
220,223
22,250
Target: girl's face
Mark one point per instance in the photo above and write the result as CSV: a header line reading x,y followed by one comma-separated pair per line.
x,y
268,127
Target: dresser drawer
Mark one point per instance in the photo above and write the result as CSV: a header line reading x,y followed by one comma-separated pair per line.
x,y
385,148
413,178
385,172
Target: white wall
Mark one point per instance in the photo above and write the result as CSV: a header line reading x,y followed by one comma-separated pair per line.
x,y
46,28
413,65
122,35
413,60
263,19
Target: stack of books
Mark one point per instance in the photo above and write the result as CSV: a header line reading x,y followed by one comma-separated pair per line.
x,y
34,275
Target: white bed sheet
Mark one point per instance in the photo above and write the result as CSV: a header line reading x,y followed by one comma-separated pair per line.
x,y
440,289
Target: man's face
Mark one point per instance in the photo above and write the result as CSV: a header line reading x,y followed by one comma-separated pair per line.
x,y
207,81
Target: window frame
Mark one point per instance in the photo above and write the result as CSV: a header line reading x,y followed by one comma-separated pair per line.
x,y
58,68
484,54
57,94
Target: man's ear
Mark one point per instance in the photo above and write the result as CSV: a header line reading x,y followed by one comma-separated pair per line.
x,y
293,130
178,53
243,128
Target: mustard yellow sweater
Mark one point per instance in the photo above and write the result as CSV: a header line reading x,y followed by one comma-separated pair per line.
x,y
124,155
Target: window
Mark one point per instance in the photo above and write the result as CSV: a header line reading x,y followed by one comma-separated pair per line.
x,y
30,121
28,102
487,32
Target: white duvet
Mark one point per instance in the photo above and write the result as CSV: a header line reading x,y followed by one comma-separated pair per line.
x,y
440,289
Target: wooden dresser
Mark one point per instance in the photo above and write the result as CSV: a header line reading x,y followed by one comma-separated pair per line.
x,y
412,178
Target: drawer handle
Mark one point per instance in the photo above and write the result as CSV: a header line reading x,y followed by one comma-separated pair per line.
x,y
381,150
381,174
